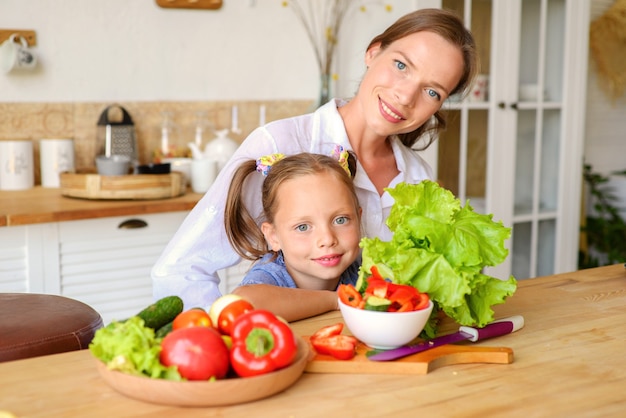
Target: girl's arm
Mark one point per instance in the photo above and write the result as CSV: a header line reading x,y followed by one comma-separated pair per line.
x,y
290,303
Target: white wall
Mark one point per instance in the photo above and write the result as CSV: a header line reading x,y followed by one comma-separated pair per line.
x,y
115,50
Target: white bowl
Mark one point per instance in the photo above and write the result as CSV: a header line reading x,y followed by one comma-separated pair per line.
x,y
115,165
385,330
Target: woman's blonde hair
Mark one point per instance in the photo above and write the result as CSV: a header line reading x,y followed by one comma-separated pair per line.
x,y
449,26
242,229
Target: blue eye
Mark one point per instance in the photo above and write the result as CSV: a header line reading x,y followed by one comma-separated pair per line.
x,y
400,65
341,220
432,93
302,228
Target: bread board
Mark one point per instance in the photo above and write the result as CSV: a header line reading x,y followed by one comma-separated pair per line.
x,y
128,187
420,363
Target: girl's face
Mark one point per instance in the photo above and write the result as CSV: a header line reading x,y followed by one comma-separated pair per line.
x,y
407,82
317,228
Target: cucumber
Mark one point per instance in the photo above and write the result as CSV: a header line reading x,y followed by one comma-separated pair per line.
x,y
164,330
375,303
161,312
361,284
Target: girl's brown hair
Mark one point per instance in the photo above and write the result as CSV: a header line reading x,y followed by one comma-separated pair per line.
x,y
242,229
449,26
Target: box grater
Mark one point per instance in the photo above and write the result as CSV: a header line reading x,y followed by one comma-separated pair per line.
x,y
116,123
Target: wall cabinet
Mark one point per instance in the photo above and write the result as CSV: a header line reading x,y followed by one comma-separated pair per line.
x,y
518,153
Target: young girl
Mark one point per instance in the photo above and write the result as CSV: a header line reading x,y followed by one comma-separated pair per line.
x,y
309,238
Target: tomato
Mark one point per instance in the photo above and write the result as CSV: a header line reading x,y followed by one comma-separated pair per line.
x,y
219,304
192,318
199,353
231,312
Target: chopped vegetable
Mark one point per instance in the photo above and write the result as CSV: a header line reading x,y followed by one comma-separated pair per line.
x,y
328,340
349,295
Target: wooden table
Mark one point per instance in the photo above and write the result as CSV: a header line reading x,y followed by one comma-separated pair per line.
x,y
568,363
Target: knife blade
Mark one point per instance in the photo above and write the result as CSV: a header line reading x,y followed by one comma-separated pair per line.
x,y
494,329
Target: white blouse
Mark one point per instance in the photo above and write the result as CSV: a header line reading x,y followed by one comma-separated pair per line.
x,y
188,266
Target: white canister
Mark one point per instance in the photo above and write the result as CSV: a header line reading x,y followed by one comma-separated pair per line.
x,y
16,165
56,156
203,173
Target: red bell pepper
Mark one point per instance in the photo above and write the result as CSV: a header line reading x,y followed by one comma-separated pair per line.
x,y
402,299
375,273
342,347
329,340
349,295
261,343
328,331
377,287
421,302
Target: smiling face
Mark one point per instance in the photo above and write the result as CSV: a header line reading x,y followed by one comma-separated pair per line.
x,y
317,228
407,82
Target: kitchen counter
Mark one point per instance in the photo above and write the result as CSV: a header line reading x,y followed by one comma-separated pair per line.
x,y
567,363
41,205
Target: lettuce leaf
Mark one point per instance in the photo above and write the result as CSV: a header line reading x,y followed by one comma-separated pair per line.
x,y
132,348
441,249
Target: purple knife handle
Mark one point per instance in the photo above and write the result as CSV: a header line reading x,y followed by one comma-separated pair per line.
x,y
495,329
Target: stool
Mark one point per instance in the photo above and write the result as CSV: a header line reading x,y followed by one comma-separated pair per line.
x,y
34,325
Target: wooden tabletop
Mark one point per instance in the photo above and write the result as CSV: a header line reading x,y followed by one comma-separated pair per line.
x,y
568,363
40,205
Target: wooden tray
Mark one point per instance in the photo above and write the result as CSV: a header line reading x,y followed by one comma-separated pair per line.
x,y
130,187
420,363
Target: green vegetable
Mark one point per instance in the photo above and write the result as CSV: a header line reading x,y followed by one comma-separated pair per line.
x,y
361,284
164,330
441,248
161,312
375,303
131,347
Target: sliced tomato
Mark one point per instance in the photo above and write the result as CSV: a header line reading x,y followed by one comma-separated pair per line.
x,y
349,295
342,347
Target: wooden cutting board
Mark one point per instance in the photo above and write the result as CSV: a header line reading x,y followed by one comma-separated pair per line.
x,y
131,187
420,363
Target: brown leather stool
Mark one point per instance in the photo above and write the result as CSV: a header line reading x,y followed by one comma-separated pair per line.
x,y
34,325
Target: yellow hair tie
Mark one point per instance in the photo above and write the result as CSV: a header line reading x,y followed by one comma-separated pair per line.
x,y
264,163
341,156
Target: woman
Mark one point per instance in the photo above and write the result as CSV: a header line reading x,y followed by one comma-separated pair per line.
x,y
412,68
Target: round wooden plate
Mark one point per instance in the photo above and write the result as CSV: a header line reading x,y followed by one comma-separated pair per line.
x,y
204,393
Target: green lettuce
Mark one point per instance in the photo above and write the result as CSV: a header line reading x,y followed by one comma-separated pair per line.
x,y
441,249
132,348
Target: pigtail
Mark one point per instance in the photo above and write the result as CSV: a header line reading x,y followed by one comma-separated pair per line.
x,y
242,231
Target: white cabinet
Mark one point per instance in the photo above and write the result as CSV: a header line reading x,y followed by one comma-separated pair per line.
x,y
518,154
103,262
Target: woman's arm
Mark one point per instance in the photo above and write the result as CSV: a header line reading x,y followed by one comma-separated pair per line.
x,y
289,303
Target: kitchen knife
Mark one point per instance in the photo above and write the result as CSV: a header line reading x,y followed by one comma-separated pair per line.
x,y
494,329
